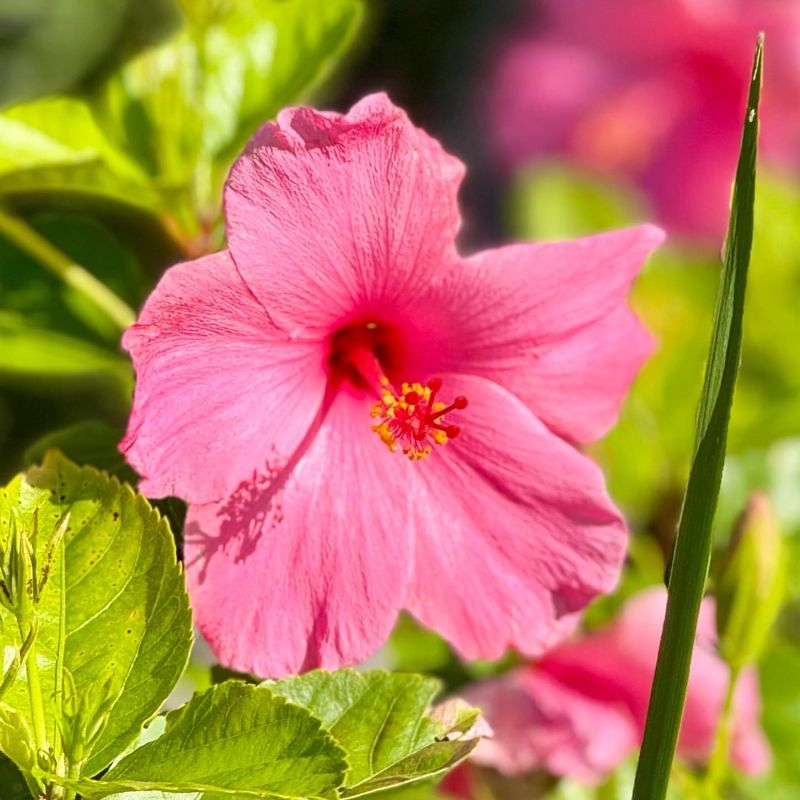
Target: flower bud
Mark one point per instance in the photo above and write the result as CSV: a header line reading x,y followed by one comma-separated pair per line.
x,y
81,719
18,567
751,584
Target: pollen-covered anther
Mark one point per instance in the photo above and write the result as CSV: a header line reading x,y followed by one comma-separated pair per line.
x,y
413,419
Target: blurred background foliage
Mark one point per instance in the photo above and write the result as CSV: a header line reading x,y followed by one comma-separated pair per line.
x,y
117,128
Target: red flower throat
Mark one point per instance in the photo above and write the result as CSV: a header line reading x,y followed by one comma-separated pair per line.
x,y
412,418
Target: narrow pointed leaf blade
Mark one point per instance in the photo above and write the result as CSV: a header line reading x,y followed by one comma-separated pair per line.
x,y
693,544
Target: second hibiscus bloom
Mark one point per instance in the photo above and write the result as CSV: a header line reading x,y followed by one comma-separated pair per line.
x,y
362,420
580,710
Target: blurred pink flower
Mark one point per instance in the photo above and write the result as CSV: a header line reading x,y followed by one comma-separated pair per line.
x,y
654,91
580,710
274,381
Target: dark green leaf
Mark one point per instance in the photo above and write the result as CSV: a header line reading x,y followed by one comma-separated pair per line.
x,y
46,301
12,784
693,544
49,47
88,442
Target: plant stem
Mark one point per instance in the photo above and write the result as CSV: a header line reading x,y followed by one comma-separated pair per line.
x,y
38,718
74,772
59,264
718,763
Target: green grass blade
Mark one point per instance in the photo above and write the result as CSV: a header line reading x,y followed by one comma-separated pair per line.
x,y
693,543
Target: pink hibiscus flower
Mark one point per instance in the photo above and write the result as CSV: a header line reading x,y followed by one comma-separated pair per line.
x,y
581,709
362,420
654,91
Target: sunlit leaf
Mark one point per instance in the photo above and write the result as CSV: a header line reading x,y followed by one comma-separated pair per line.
x,y
234,737
114,614
27,352
384,722
55,146
184,109
294,44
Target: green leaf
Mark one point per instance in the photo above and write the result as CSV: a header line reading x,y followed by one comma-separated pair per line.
x,y
28,352
233,740
51,47
87,442
46,300
781,718
48,328
196,99
556,201
114,617
156,127
55,145
156,794
16,748
384,722
12,784
693,544
293,45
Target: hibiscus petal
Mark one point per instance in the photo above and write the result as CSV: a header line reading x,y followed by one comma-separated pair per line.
x,y
517,531
309,570
633,641
219,391
334,216
549,322
540,724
